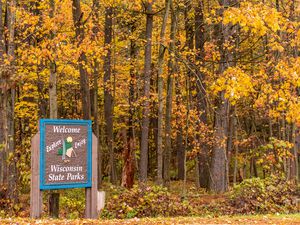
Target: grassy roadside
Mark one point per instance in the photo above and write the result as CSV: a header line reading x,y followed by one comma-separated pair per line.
x,y
255,219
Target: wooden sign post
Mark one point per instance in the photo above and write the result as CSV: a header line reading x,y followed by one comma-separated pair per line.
x,y
64,155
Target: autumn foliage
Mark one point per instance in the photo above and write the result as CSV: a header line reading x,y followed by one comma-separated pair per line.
x,y
196,91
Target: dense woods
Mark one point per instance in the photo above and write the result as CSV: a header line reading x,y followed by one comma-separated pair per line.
x,y
191,90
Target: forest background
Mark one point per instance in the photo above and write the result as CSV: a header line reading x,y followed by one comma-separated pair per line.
x,y
197,91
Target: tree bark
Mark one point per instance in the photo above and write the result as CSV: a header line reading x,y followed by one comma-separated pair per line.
x,y
294,162
2,152
95,88
9,104
160,86
52,79
201,96
171,72
236,147
146,109
187,124
129,158
82,61
52,91
2,91
181,149
229,144
219,180
179,136
180,154
53,197
108,98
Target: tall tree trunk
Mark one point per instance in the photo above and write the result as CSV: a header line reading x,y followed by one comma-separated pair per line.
x,y
187,124
2,152
229,144
108,98
9,101
129,158
180,147
160,85
147,77
181,154
96,69
2,91
219,180
52,91
189,28
201,96
54,196
82,61
294,162
179,136
236,147
171,72
294,170
52,79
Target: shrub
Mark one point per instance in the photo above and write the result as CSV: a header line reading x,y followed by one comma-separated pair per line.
x,y
72,203
144,201
273,194
4,202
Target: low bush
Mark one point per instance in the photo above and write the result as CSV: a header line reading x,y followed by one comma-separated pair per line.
x,y
4,202
72,203
144,201
270,195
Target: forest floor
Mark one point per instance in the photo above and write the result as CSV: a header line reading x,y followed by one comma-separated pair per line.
x,y
256,219
208,208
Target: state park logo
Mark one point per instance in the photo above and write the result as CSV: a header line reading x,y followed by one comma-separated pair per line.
x,y
67,151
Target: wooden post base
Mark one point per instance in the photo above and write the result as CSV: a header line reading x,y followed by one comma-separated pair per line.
x,y
53,205
35,193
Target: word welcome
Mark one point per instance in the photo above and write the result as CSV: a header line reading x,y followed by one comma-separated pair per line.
x,y
64,129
